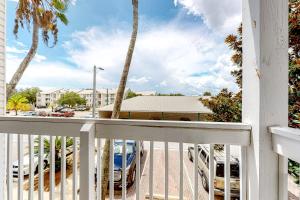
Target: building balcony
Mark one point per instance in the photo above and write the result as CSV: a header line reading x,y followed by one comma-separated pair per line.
x,y
168,135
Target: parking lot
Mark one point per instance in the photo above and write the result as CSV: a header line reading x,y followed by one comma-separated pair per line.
x,y
159,175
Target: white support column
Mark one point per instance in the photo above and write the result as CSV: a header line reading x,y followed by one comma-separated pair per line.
x,y
265,89
2,95
87,161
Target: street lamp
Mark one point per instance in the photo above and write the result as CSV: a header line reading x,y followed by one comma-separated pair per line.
x,y
94,89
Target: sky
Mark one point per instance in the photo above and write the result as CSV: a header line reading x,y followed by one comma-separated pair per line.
x,y
180,46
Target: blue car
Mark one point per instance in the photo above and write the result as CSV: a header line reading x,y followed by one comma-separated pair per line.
x,y
130,161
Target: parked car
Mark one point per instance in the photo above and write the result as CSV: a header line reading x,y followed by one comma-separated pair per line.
x,y
43,114
81,108
130,162
59,108
66,110
219,156
62,114
57,114
26,165
29,113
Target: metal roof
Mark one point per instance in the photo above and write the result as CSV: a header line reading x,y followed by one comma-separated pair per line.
x,y
167,104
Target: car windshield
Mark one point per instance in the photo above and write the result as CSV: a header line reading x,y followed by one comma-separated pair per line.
x,y
234,170
118,148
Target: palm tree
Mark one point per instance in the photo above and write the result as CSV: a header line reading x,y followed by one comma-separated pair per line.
x,y
17,102
119,97
57,148
43,15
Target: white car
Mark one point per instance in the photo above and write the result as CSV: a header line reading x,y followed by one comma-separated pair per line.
x,y
26,165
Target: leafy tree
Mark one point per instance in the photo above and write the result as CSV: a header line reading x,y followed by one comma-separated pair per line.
x,y
226,107
71,99
294,63
119,96
30,94
234,43
132,94
207,93
42,15
18,102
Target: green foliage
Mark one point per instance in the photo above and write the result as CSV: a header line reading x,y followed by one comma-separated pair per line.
x,y
17,102
71,99
57,148
294,170
234,43
207,93
226,106
132,94
30,94
44,13
294,63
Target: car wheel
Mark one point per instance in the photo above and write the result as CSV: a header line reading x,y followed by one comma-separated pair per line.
x,y
204,183
190,156
45,164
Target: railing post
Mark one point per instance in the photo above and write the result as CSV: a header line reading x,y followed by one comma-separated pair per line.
x,y
265,90
87,163
283,178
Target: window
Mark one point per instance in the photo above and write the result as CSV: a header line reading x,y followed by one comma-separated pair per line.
x,y
234,170
203,155
118,148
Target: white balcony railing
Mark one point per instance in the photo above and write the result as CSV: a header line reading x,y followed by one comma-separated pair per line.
x,y
286,143
87,130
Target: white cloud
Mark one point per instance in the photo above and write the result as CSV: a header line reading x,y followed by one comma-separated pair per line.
x,y
223,16
20,51
140,80
47,74
171,55
168,58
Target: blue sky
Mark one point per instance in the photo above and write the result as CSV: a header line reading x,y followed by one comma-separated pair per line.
x,y
179,47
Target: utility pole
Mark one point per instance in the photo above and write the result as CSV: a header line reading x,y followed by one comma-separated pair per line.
x,y
107,96
94,89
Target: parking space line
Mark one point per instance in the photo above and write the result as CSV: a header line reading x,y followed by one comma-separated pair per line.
x,y
146,161
188,177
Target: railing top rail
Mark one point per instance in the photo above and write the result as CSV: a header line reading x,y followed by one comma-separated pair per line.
x,y
171,131
292,133
156,123
286,141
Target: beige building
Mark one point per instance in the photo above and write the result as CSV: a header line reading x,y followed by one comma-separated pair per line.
x,y
184,108
51,97
103,96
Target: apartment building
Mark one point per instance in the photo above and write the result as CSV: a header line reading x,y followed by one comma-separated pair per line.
x,y
103,96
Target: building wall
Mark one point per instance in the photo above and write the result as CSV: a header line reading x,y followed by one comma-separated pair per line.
x,y
157,116
2,94
45,99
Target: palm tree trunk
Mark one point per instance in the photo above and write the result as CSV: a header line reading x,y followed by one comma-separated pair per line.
x,y
24,64
119,98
